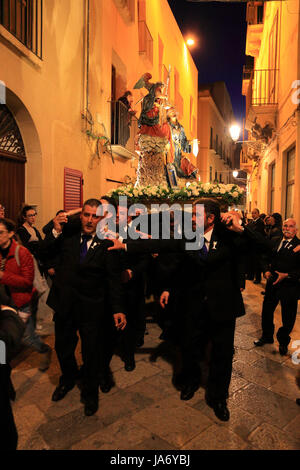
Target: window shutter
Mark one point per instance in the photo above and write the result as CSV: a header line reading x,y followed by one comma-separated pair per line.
x,y
72,189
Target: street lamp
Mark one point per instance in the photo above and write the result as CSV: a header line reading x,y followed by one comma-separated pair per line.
x,y
235,173
190,42
235,131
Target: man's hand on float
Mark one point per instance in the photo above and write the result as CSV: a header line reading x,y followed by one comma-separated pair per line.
x,y
120,321
117,245
61,218
232,222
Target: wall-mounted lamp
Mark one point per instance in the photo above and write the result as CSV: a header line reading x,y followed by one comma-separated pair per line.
x,y
235,131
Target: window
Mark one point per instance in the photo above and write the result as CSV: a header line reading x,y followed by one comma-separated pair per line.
x,y
160,57
217,143
273,60
290,183
210,174
145,38
272,187
126,9
73,182
211,142
24,19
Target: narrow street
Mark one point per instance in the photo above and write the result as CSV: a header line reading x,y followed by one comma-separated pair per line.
x,y
144,411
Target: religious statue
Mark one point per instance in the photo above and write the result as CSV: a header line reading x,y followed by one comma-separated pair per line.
x,y
154,134
184,167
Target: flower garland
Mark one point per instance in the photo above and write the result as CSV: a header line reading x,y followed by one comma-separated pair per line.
x,y
230,193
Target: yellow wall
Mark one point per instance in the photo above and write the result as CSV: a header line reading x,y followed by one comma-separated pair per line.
x,y
47,97
287,126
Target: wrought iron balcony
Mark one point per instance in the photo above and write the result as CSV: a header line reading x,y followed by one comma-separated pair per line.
x,y
24,20
262,89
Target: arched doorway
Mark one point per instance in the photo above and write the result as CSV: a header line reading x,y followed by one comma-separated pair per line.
x,y
12,164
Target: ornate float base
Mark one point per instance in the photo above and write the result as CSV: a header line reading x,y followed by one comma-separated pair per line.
x,y
151,167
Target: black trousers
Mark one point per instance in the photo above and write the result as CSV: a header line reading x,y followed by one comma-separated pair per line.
x,y
288,298
200,330
8,431
92,328
135,315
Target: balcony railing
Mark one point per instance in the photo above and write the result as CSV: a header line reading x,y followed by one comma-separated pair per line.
x,y
24,20
124,126
255,13
263,88
145,41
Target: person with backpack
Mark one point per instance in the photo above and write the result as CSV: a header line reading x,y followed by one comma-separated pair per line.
x,y
16,283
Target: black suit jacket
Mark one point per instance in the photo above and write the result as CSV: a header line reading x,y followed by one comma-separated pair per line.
x,y
284,261
95,283
216,279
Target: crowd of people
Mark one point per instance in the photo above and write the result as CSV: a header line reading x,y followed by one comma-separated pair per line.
x,y
98,286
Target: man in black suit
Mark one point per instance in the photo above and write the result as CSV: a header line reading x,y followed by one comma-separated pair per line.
x,y
207,277
257,226
134,269
282,271
85,290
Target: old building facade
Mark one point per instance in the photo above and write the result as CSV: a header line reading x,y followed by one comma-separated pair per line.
x,y
271,156
216,148
63,67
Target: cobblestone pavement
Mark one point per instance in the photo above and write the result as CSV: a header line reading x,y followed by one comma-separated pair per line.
x,y
144,411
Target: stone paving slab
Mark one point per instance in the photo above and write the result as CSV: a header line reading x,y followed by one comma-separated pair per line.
x,y
172,421
216,438
272,407
143,411
268,437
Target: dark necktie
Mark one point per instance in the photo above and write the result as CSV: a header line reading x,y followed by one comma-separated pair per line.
x,y
83,246
204,251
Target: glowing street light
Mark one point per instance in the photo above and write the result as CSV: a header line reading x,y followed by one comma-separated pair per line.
x,y
235,173
190,42
235,131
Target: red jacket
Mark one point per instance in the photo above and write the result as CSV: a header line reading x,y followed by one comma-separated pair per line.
x,y
19,279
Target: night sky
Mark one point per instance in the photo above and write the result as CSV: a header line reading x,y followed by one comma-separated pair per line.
x,y
220,53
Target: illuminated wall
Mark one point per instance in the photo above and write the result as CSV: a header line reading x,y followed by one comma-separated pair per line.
x,y
48,96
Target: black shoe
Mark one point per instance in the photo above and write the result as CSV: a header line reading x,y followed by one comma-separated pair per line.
x,y
106,384
220,409
283,350
129,365
261,341
91,405
188,391
140,342
61,391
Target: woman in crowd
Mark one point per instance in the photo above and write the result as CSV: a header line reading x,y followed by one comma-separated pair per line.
x,y
273,226
16,279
